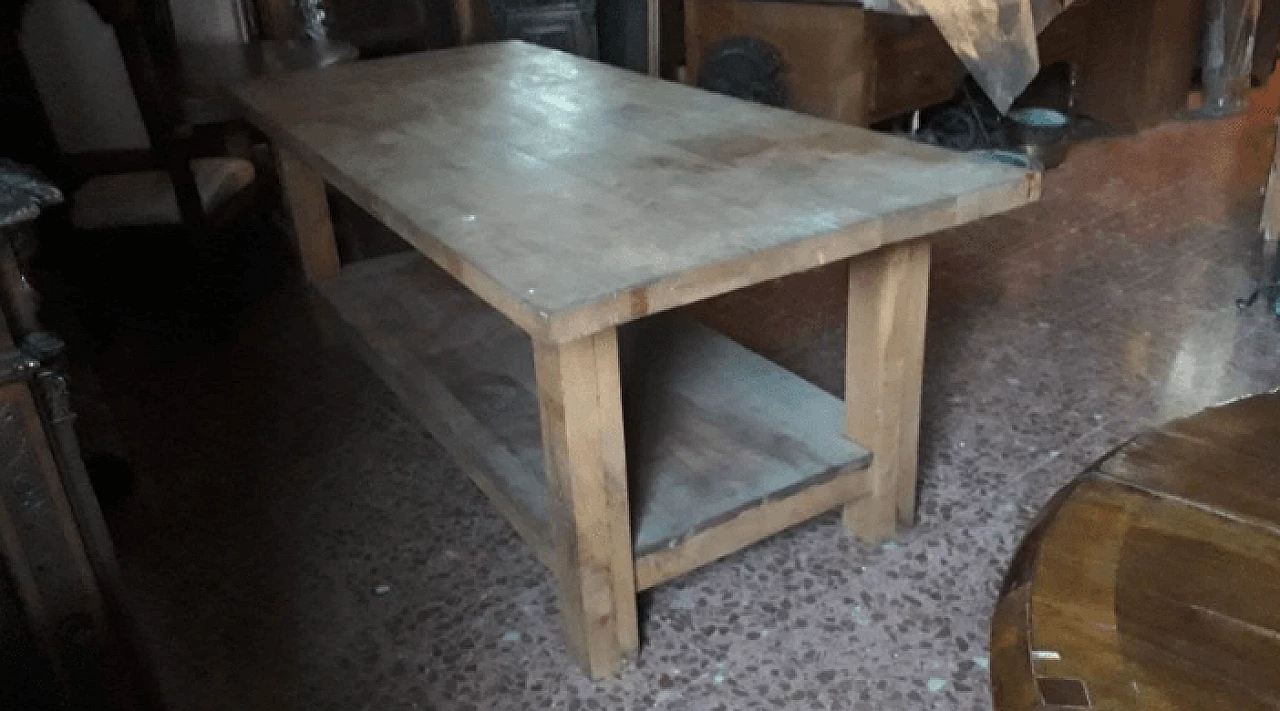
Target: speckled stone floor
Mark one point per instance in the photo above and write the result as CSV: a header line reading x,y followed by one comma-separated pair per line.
x,y
296,542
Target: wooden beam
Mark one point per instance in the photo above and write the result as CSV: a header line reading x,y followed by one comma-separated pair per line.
x,y
888,298
1271,202
308,209
754,524
580,404
653,36
464,22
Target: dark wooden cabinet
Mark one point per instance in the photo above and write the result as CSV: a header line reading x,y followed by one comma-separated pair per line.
x,y
1134,58
570,27
388,26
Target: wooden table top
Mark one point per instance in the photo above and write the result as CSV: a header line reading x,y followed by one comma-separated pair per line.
x,y
1153,581
573,196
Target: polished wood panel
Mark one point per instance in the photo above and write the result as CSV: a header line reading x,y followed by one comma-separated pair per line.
x,y
1153,581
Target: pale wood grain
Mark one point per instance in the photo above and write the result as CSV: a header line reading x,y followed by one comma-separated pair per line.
x,y
717,431
713,430
888,295
580,401
751,524
462,370
573,196
308,209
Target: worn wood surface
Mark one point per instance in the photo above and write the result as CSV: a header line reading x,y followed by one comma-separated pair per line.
x,y
749,524
463,370
573,196
580,407
308,209
884,360
713,430
1154,579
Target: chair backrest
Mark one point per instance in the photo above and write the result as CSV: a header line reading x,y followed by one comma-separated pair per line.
x,y
146,49
75,63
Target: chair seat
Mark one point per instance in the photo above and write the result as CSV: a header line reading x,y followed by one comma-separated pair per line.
x,y
147,198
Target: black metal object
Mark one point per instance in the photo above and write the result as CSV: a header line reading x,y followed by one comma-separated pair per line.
x,y
746,68
1268,287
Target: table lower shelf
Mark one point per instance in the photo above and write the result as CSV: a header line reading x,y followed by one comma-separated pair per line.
x,y
724,447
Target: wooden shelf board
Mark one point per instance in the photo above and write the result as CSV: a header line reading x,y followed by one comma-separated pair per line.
x,y
718,438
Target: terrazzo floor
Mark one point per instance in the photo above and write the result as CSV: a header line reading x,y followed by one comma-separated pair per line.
x,y
295,541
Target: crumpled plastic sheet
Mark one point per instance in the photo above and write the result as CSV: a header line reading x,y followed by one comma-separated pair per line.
x,y
24,192
996,39
1230,31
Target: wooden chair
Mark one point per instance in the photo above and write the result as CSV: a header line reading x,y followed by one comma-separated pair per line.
x,y
170,186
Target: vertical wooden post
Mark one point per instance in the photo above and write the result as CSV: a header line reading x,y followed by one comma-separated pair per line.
x,y
580,401
464,22
1271,199
653,36
308,209
1269,267
888,300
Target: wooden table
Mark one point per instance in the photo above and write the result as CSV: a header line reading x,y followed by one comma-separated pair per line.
x,y
559,202
1153,581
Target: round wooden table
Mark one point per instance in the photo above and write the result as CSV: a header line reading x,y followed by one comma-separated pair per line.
x,y
1153,580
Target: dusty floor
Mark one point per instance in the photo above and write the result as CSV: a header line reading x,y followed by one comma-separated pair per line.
x,y
280,484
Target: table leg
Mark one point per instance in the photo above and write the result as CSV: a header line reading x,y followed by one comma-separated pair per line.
x,y
888,297
580,401
308,209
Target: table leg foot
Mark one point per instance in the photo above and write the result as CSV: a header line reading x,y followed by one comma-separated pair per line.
x,y
888,300
580,399
869,520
